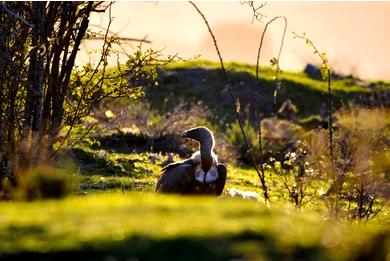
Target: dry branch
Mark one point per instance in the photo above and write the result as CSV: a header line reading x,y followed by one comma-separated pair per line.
x,y
262,40
237,112
15,15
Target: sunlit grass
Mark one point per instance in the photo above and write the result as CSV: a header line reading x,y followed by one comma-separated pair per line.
x,y
101,222
306,93
115,212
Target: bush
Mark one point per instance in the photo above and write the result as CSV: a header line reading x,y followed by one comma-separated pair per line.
x,y
234,137
359,171
279,137
45,183
138,117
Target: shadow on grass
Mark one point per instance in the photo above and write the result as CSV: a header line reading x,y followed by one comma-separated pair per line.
x,y
141,143
92,163
245,246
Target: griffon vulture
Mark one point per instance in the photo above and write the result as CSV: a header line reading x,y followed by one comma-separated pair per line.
x,y
200,174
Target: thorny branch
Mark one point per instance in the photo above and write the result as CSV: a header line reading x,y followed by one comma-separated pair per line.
x,y
325,71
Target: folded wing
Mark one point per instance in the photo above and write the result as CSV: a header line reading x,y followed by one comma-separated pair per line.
x,y
177,177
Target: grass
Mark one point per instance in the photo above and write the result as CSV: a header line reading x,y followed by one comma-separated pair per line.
x,y
129,221
150,227
138,172
204,81
100,170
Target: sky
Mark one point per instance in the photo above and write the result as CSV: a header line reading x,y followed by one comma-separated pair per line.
x,y
355,35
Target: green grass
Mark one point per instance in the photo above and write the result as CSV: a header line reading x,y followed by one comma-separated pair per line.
x,y
146,225
137,172
100,170
151,226
130,221
207,83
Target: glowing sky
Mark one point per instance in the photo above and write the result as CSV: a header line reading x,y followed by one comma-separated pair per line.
x,y
355,35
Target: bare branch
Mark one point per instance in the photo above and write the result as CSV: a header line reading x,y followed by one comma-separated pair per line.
x,y
255,9
236,109
262,40
212,35
125,39
325,70
15,15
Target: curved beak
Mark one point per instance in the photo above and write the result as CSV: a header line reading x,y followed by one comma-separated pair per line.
x,y
184,134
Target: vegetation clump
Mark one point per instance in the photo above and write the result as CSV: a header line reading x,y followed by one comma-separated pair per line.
x,y
45,183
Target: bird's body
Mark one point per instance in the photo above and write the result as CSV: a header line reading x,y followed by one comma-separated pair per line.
x,y
200,174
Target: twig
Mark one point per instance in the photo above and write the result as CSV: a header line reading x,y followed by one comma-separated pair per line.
x,y
212,35
325,68
261,153
82,137
330,115
255,14
262,40
277,60
103,56
255,9
129,39
238,116
15,15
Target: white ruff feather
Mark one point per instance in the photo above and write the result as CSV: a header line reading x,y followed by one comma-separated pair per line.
x,y
211,175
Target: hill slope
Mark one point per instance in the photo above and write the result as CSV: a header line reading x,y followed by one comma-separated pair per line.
x,y
204,81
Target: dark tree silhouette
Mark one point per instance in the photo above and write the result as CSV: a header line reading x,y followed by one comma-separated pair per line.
x,y
39,86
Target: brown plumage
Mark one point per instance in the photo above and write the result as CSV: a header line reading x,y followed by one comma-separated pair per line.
x,y
200,174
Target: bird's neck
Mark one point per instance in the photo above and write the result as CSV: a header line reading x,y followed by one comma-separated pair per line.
x,y
206,156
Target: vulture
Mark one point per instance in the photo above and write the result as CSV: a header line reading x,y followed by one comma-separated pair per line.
x,y
200,174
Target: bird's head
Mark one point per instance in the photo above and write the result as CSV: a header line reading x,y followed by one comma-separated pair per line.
x,y
201,134
206,141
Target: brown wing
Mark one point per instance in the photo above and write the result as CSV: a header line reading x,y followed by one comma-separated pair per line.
x,y
177,178
175,164
220,184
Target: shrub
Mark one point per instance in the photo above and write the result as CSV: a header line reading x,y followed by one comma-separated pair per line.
x,y
280,137
45,183
297,175
358,174
234,137
139,117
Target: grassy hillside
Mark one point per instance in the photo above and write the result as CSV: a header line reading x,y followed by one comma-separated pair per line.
x,y
151,227
204,81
